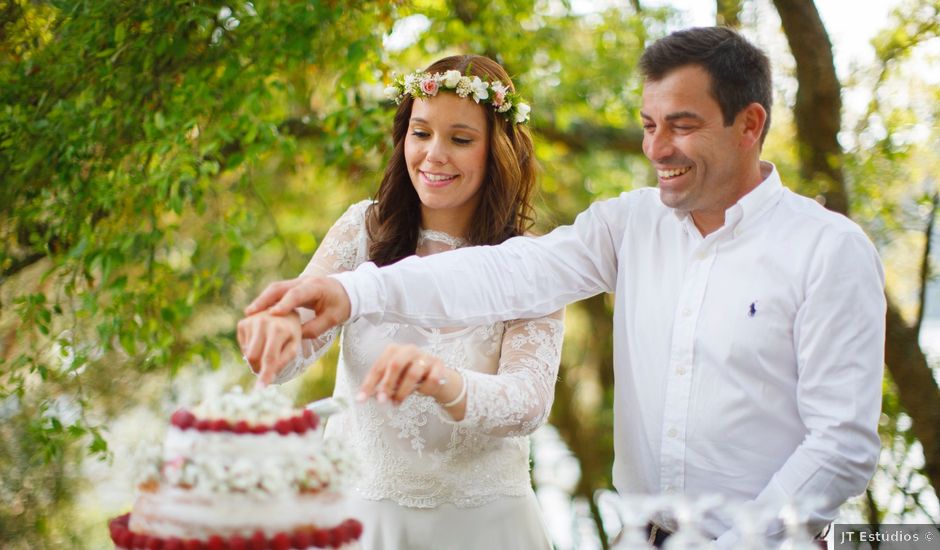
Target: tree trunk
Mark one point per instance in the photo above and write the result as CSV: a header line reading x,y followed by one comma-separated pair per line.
x,y
585,435
818,109
584,441
818,120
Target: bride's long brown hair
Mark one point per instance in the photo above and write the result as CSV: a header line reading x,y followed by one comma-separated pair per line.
x,y
504,211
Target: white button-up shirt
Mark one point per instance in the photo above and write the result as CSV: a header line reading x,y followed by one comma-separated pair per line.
x,y
747,363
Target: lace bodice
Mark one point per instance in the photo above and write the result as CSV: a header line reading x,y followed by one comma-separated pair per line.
x,y
415,454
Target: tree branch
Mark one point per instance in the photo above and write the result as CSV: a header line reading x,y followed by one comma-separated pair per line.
x,y
581,137
19,264
917,388
925,262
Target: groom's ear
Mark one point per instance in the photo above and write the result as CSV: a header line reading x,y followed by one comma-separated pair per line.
x,y
750,122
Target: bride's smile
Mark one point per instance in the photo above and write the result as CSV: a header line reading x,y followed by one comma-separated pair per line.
x,y
445,150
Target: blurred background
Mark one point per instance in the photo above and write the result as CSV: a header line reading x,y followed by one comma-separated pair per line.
x,y
162,161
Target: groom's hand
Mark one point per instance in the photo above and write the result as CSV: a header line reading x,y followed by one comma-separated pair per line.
x,y
325,296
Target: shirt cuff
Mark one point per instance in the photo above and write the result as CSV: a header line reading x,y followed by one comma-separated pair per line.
x,y
365,291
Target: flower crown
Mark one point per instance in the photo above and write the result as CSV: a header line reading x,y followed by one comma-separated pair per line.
x,y
422,84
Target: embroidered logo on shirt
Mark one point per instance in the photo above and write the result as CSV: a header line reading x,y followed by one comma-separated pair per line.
x,y
752,309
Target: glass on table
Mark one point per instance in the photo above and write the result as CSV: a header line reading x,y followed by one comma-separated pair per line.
x,y
634,511
689,513
796,516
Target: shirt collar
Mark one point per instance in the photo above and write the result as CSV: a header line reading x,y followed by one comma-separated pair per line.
x,y
750,206
760,199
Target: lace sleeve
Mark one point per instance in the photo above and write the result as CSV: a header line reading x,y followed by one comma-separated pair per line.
x,y
517,399
342,249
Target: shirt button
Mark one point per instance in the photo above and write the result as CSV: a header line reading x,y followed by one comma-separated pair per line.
x,y
680,371
686,312
672,432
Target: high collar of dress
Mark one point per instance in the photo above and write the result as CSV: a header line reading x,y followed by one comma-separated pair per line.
x,y
441,237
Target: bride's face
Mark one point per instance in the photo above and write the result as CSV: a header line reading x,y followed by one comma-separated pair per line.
x,y
446,149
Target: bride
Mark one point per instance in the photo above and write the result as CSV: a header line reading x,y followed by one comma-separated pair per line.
x,y
441,417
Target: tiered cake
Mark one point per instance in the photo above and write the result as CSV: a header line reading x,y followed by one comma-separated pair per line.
x,y
242,471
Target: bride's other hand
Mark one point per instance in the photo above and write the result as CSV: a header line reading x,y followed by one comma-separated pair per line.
x,y
403,369
269,342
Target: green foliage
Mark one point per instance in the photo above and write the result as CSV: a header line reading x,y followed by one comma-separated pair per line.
x,y
138,147
161,161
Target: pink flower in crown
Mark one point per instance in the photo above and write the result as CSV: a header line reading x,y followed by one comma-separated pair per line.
x,y
429,86
499,93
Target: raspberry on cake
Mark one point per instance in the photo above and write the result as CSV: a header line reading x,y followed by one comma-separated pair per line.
x,y
243,470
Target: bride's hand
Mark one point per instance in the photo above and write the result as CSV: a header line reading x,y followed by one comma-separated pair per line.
x,y
269,342
404,369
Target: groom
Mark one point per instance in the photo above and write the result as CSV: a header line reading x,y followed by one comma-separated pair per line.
x,y
749,321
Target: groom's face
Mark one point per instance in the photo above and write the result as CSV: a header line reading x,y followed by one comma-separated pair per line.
x,y
696,157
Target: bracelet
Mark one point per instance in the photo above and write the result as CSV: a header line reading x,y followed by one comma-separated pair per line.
x,y
460,396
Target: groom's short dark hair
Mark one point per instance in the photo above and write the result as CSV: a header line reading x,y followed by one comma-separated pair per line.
x,y
739,70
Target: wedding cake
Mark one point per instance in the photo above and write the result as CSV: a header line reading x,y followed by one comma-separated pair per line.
x,y
241,471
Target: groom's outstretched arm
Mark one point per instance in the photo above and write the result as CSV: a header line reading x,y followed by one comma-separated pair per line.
x,y
522,278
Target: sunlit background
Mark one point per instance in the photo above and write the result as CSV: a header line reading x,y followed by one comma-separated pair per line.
x,y
160,164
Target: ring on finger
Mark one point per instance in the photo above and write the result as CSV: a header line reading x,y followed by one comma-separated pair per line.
x,y
422,363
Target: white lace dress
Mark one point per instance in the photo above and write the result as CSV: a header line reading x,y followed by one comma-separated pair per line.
x,y
427,481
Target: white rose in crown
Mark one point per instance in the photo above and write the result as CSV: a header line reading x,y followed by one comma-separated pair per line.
x,y
479,89
451,78
522,112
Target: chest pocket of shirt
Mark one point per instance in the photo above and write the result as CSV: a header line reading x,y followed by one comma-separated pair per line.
x,y
746,331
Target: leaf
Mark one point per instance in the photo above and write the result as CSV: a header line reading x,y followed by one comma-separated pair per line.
x,y
236,258
128,342
76,431
98,444
214,357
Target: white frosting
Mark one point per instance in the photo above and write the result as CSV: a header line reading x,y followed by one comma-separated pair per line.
x,y
262,406
252,447
224,462
175,512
